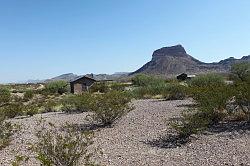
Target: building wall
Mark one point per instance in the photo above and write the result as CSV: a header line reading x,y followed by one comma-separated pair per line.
x,y
81,85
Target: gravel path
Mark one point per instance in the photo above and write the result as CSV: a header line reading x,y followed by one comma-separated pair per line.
x,y
126,144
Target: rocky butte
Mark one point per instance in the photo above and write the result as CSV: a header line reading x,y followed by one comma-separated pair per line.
x,y
174,60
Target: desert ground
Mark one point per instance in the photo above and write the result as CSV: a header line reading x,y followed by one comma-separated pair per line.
x,y
141,137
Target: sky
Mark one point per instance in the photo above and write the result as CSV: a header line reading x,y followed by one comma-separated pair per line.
x,y
40,39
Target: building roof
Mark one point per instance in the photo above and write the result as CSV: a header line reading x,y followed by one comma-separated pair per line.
x,y
82,78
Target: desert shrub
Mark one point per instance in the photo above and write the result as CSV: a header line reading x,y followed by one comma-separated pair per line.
x,y
67,147
57,87
190,123
28,95
207,80
6,130
211,108
109,107
146,80
12,110
241,71
5,95
175,92
242,97
77,103
118,86
101,87
150,90
31,110
49,106
213,100
20,160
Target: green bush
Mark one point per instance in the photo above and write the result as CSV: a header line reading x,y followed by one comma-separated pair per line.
x,y
64,147
49,106
207,80
28,95
57,87
6,130
151,90
213,100
5,95
241,71
77,103
190,123
31,110
146,80
211,107
242,97
101,87
175,92
109,107
118,86
12,110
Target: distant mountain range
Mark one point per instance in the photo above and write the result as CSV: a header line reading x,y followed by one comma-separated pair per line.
x,y
71,76
166,61
170,61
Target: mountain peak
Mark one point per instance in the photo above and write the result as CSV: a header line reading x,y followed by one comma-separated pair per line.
x,y
177,50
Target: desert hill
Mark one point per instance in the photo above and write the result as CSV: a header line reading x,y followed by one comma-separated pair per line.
x,y
174,60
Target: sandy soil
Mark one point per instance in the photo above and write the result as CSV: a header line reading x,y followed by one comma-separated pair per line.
x,y
139,139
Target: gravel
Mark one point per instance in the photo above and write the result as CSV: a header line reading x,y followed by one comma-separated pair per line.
x,y
137,139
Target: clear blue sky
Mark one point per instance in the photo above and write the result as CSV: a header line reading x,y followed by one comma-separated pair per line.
x,y
44,38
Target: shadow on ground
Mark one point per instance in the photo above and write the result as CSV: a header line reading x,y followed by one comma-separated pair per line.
x,y
230,127
168,141
174,140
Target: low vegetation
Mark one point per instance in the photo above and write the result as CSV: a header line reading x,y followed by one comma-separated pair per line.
x,y
215,102
57,87
5,95
101,87
109,107
77,103
6,130
63,146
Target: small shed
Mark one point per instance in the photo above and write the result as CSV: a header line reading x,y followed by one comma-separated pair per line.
x,y
184,76
81,84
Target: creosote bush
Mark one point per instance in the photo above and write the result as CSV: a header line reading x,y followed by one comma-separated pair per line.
x,y
214,102
62,147
175,92
118,86
147,80
6,130
77,103
12,110
241,71
207,80
28,95
5,95
57,87
150,90
101,87
109,107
